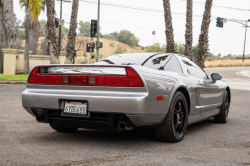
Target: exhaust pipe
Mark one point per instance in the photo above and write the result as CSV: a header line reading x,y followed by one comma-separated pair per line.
x,y
40,119
124,125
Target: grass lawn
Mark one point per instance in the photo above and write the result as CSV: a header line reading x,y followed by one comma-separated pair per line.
x,y
18,77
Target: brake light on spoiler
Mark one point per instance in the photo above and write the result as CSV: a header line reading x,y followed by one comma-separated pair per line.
x,y
131,79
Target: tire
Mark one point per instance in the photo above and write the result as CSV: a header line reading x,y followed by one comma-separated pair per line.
x,y
224,110
60,128
174,126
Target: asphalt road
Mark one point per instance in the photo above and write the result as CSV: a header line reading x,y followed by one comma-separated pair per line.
x,y
23,141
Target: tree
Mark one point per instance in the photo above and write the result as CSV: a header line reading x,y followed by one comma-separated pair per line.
x,y
180,48
156,48
52,31
153,33
33,9
169,27
70,50
203,39
8,28
85,26
127,37
189,30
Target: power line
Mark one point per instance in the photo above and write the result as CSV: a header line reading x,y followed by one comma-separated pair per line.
x,y
149,10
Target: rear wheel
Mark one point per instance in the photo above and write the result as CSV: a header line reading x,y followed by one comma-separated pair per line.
x,y
174,126
60,128
222,117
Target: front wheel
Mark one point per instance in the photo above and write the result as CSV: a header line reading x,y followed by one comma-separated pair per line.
x,y
174,126
223,115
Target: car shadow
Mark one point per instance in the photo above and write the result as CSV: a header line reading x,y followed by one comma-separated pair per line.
x,y
105,137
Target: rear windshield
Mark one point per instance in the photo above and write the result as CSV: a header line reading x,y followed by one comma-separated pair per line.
x,y
127,59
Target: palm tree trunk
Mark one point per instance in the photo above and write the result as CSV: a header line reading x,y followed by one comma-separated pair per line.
x,y
52,31
189,30
35,31
70,50
169,27
27,39
203,39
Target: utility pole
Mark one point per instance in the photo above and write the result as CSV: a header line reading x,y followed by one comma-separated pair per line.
x,y
245,43
98,32
60,26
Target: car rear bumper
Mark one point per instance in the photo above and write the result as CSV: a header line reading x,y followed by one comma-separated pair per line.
x,y
137,106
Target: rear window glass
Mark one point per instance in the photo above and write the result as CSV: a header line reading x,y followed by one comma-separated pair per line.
x,y
157,62
126,59
173,65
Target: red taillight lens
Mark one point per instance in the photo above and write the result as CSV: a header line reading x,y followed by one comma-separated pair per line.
x,y
33,76
132,79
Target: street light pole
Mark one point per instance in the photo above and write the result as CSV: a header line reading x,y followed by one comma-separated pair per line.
x,y
245,43
98,32
60,26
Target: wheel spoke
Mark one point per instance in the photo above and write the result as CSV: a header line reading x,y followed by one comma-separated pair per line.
x,y
176,125
180,108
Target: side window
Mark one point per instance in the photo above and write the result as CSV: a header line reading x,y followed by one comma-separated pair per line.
x,y
157,62
194,69
173,65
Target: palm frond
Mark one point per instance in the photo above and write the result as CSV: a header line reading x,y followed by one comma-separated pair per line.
x,y
35,8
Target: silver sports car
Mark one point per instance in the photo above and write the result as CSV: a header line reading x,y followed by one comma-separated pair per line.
x,y
127,92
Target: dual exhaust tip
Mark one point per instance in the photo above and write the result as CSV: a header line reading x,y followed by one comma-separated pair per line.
x,y
125,125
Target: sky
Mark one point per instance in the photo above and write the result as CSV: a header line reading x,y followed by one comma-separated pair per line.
x,y
227,40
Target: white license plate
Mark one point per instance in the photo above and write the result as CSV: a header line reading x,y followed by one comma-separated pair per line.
x,y
75,107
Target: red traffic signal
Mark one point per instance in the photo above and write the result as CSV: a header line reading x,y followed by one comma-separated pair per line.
x,y
56,22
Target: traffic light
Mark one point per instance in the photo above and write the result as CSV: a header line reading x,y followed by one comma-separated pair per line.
x,y
219,22
89,46
93,28
56,22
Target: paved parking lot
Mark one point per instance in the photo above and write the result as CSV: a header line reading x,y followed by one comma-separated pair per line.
x,y
23,141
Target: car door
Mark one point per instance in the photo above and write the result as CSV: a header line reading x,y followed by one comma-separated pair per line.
x,y
209,92
211,96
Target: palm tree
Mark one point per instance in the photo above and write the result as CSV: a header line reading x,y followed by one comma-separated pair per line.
x,y
70,50
203,39
189,30
33,9
169,27
52,31
8,27
153,33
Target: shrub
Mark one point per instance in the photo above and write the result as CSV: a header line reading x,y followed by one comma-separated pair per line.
x,y
83,62
119,50
142,48
124,49
112,44
40,52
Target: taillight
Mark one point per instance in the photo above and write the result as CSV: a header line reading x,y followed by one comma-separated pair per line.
x,y
132,79
33,76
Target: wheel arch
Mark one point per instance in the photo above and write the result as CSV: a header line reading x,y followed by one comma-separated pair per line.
x,y
185,92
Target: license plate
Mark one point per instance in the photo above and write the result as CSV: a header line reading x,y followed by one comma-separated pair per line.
x,y
75,107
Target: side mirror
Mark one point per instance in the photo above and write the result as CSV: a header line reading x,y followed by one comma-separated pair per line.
x,y
216,76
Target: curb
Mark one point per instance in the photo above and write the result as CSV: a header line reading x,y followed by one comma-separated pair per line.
x,y
13,82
